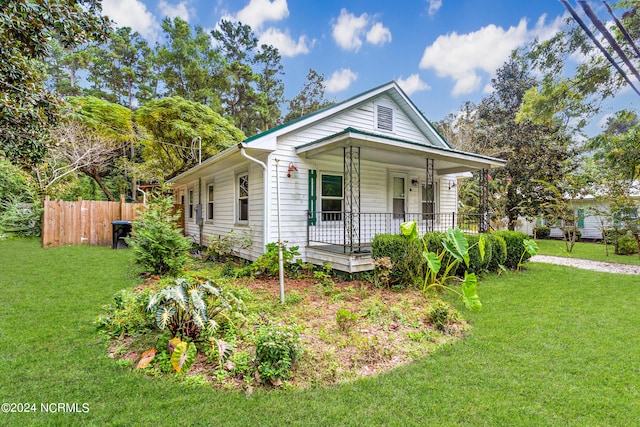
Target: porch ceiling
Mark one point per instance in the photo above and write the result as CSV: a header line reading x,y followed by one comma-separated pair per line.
x,y
384,149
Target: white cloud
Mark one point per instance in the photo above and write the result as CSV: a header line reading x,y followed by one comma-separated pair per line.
x,y
464,57
434,6
340,80
180,10
413,84
134,14
379,34
350,30
285,44
257,12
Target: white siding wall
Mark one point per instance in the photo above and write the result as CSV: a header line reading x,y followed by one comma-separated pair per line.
x,y
224,177
294,190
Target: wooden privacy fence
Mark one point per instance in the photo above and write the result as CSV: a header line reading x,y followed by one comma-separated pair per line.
x,y
83,222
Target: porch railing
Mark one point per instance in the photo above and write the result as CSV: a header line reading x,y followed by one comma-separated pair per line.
x,y
352,233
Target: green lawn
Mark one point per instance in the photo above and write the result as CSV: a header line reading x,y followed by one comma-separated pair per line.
x,y
592,251
553,346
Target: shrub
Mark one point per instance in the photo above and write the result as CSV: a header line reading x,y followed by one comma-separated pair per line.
x,y
128,314
20,207
626,245
406,259
498,252
477,265
440,314
542,232
277,349
346,319
20,217
223,247
268,262
514,241
157,243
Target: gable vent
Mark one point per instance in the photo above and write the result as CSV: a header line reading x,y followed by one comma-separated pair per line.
x,y
385,118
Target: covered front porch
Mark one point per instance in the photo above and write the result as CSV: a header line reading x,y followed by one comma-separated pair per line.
x,y
384,181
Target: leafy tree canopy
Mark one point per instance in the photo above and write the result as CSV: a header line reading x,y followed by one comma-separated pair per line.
x,y
173,123
26,107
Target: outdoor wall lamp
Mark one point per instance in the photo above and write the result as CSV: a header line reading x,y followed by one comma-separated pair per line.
x,y
414,182
291,169
452,184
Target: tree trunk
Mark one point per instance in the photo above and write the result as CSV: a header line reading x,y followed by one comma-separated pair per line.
x,y
96,177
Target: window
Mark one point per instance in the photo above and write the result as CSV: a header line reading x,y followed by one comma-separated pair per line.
x,y
243,197
331,202
580,216
428,201
210,202
384,117
191,204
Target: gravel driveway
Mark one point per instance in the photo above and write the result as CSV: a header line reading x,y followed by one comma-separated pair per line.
x,y
607,267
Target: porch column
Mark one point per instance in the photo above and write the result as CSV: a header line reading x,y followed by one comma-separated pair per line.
x,y
430,196
352,232
483,225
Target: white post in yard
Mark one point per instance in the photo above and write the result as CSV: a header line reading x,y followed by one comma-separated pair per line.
x,y
280,260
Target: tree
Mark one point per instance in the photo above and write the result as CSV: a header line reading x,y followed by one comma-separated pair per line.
x,y
310,98
63,66
535,152
569,91
26,107
89,140
617,154
270,88
239,96
189,66
173,124
120,70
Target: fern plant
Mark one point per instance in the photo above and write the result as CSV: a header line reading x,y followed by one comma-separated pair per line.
x,y
190,308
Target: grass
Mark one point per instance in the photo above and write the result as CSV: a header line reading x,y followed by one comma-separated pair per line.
x,y
553,346
584,250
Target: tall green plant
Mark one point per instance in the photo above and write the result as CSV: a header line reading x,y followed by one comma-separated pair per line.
x,y
190,308
456,250
157,243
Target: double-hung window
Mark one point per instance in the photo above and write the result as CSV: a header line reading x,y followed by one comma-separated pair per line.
x,y
209,202
243,197
191,200
332,197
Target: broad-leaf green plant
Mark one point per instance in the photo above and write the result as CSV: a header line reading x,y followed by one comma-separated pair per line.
x,y
530,247
183,356
190,308
442,264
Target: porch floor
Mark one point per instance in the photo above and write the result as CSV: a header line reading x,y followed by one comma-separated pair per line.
x,y
339,249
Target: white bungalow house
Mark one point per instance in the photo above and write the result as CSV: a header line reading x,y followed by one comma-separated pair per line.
x,y
590,222
331,180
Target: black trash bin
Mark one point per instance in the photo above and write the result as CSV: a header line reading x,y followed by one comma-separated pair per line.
x,y
121,229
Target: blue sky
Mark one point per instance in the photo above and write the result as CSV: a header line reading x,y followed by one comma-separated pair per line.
x,y
442,52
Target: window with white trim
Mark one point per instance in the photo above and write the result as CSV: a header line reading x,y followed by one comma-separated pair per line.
x,y
332,191
243,197
385,117
209,202
191,199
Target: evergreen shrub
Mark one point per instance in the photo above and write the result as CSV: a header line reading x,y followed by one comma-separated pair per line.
x,y
514,241
406,258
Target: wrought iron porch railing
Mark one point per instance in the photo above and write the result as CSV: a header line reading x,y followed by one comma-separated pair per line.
x,y
352,233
